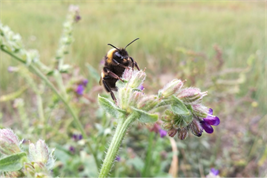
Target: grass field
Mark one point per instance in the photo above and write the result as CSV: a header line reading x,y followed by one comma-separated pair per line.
x,y
217,46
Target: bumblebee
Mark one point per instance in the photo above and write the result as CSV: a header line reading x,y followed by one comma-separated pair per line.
x,y
116,61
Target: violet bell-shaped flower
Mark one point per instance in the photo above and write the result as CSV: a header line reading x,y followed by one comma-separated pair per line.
x,y
208,121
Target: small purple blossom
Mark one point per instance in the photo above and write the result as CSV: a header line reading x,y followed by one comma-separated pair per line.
x,y
214,171
208,121
141,87
77,137
79,90
85,82
72,149
162,133
118,158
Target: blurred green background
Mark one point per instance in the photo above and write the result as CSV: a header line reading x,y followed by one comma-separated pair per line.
x,y
216,46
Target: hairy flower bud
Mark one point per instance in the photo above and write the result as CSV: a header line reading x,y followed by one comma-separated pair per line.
x,y
9,143
191,95
196,128
137,79
39,152
182,133
172,132
135,98
148,102
124,95
170,89
200,110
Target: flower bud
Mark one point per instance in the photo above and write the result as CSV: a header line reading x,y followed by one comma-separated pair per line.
x,y
182,133
137,79
39,152
135,98
196,128
171,88
200,110
9,143
148,102
191,95
172,132
124,95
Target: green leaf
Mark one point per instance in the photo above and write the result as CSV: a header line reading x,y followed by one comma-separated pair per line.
x,y
93,73
12,162
184,116
110,107
145,117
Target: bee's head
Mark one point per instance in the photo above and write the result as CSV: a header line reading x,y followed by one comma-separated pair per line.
x,y
121,53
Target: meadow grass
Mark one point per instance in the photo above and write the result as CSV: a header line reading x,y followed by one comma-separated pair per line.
x,y
164,29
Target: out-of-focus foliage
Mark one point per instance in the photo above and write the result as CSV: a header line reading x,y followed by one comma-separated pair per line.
x,y
217,46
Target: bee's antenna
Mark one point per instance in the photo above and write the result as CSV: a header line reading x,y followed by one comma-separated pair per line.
x,y
113,46
131,43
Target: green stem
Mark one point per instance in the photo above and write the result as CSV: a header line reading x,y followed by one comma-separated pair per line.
x,y
115,144
146,169
71,111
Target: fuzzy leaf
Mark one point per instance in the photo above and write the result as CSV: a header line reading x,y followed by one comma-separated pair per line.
x,y
110,107
12,162
94,73
145,117
181,111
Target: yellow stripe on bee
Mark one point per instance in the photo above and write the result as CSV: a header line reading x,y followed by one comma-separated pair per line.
x,y
110,55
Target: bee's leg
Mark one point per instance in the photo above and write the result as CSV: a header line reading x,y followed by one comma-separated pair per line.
x,y
111,74
109,90
119,64
134,63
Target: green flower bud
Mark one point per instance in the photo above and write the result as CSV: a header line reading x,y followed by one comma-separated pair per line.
x,y
9,143
182,133
137,79
124,95
200,111
39,152
171,88
135,98
191,95
148,102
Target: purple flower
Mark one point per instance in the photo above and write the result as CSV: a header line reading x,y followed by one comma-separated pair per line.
x,y
77,137
72,149
208,121
141,87
118,158
79,90
214,171
85,82
162,133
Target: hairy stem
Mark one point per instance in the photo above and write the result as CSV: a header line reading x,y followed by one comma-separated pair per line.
x,y
115,144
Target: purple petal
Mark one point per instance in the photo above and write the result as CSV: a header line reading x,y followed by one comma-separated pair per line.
x,y
79,89
206,127
85,82
141,87
162,133
214,171
212,120
118,158
210,111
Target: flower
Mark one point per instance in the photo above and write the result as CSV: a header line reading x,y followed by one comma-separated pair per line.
x,y
214,173
157,129
141,87
162,133
72,149
208,121
118,158
85,82
79,90
77,137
